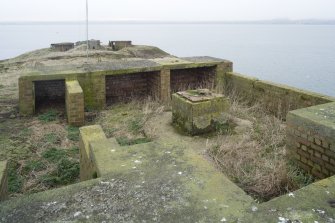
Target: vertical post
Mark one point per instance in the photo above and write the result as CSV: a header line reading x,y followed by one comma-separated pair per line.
x,y
87,30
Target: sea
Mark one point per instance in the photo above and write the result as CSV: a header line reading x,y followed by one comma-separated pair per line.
x,y
298,55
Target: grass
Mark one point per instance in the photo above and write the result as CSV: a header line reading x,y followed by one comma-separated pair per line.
x,y
256,158
49,116
73,133
39,150
126,122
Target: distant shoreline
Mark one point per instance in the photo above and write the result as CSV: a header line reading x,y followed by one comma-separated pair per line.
x,y
134,22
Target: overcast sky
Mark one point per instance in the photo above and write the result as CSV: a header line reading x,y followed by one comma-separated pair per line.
x,y
179,10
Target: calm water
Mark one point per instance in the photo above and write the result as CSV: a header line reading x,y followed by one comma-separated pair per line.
x,y
298,55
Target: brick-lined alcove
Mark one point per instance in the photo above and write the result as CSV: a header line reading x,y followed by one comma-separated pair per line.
x,y
120,88
49,94
192,78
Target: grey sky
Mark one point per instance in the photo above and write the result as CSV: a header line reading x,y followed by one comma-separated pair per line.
x,y
65,10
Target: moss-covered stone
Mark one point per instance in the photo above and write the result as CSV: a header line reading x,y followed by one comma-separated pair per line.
x,y
197,113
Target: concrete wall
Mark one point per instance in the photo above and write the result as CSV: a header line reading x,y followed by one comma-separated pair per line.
x,y
276,98
3,180
192,78
88,134
74,103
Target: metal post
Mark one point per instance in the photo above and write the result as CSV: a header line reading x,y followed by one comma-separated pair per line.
x,y
87,30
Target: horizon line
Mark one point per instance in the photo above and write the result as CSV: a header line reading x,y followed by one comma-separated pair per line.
x,y
271,21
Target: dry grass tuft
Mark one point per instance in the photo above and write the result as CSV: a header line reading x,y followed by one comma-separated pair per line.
x,y
256,159
129,120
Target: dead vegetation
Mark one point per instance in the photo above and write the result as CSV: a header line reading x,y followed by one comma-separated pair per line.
x,y
42,152
126,122
256,158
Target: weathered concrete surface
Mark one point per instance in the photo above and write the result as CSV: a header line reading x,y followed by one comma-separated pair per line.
x,y
3,180
88,134
309,204
196,113
74,100
278,99
160,181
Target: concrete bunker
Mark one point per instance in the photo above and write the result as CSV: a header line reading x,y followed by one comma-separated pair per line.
x,y
49,94
122,88
118,45
192,78
62,47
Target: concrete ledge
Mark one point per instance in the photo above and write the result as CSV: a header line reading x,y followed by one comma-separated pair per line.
x,y
309,204
74,100
311,139
3,180
87,135
102,155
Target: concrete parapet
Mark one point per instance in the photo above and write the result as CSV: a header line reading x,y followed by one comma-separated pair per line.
x,y
278,99
74,100
311,139
88,134
3,180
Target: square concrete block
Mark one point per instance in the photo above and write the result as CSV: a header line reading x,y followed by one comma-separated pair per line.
x,y
198,111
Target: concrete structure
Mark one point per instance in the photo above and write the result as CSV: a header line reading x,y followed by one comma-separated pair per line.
x,y
198,111
3,180
92,44
62,47
118,45
311,139
74,101
169,180
119,80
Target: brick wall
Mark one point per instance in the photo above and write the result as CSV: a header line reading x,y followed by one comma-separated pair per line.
x,y
127,86
192,78
74,103
49,91
311,139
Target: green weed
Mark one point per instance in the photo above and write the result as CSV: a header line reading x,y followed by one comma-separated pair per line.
x,y
67,172
33,165
54,155
52,138
49,116
73,133
15,180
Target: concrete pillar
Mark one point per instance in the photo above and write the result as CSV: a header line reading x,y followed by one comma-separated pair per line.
x,y
74,100
87,135
26,96
94,88
165,88
221,70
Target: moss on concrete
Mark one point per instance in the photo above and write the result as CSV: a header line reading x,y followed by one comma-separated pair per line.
x,y
309,204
